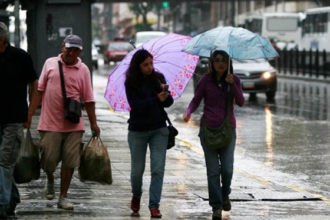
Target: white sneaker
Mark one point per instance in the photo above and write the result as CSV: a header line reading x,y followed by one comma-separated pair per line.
x,y
50,190
64,203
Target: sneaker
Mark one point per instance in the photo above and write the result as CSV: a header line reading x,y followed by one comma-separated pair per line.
x,y
50,190
155,213
135,203
3,212
64,203
217,215
226,206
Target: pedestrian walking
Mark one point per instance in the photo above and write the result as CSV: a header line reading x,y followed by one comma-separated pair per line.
x,y
147,126
16,73
61,139
213,89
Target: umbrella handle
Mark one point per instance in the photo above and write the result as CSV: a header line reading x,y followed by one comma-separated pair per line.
x,y
228,69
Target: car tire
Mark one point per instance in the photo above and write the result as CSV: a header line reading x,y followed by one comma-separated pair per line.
x,y
270,95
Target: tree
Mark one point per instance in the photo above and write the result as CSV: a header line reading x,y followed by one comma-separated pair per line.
x,y
141,9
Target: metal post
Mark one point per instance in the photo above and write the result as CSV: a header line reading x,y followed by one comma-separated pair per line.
x,y
17,25
233,13
275,3
324,64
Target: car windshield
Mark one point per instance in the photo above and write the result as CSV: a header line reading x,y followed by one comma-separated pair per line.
x,y
119,46
142,39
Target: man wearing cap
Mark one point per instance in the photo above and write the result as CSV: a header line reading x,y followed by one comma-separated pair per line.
x,y
16,72
60,139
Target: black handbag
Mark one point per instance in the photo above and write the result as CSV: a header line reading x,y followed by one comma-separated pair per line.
x,y
72,108
216,138
173,132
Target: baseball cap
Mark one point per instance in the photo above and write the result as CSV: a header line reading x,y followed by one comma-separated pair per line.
x,y
73,41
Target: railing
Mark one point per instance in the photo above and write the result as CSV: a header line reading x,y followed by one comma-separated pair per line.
x,y
303,63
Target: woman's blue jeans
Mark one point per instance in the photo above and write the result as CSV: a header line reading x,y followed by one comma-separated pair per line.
x,y
219,166
10,139
138,143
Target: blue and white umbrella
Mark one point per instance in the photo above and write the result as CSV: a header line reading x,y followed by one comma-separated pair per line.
x,y
239,43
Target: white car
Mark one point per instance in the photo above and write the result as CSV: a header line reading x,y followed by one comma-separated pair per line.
x,y
143,36
257,76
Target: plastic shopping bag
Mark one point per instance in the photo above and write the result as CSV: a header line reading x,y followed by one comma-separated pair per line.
x,y
95,163
27,167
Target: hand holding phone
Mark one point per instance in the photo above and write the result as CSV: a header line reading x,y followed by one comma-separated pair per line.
x,y
165,88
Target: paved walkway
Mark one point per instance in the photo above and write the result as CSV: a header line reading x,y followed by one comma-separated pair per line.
x,y
185,187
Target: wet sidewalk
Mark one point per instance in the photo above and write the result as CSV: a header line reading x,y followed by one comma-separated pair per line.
x,y
272,196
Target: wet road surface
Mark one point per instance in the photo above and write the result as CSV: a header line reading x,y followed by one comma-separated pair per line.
x,y
281,165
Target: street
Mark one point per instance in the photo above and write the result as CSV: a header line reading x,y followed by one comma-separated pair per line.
x,y
283,142
281,162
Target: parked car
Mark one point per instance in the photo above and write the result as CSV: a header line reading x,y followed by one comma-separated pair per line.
x,y
257,76
116,51
143,36
95,57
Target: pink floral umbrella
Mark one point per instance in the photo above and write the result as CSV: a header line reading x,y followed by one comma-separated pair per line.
x,y
169,59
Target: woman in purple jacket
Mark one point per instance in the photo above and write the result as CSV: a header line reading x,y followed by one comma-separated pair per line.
x,y
213,88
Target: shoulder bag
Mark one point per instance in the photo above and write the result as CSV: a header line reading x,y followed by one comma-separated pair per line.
x,y
216,138
72,108
173,132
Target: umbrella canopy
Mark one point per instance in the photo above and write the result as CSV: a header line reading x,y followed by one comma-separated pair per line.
x,y
239,43
168,59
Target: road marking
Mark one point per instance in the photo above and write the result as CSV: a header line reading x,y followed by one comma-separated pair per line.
x,y
297,189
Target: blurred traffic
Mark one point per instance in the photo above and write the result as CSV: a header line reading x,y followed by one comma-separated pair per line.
x,y
257,76
300,32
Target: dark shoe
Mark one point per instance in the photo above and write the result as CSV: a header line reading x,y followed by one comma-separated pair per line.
x,y
11,209
135,204
3,212
50,190
217,215
226,206
155,213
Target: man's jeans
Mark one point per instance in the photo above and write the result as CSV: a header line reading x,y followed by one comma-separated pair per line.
x,y
219,166
138,143
10,139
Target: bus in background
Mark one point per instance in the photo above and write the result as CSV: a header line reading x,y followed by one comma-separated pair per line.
x,y
284,28
316,30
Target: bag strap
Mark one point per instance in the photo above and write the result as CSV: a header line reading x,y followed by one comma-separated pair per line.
x,y
167,118
62,81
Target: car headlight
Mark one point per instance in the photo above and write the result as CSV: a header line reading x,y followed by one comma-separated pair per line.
x,y
267,74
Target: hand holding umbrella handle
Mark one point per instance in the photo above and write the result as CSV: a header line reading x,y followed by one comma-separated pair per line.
x,y
230,78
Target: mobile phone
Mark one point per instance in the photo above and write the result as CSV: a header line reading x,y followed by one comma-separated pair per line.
x,y
166,88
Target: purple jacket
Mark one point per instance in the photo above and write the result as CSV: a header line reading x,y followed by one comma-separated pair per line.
x,y
215,101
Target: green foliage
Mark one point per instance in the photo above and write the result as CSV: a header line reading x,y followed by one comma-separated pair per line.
x,y
142,9
143,27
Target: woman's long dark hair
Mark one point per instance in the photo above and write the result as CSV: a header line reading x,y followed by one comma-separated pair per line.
x,y
135,78
226,59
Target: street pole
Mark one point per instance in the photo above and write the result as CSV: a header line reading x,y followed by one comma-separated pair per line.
x,y
233,12
17,25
